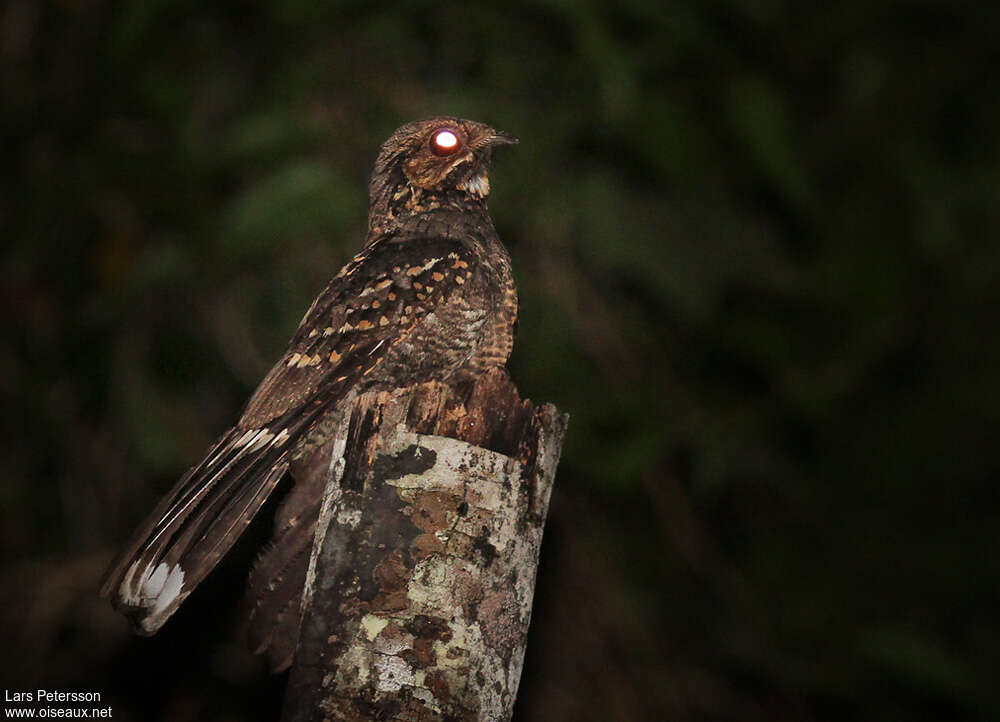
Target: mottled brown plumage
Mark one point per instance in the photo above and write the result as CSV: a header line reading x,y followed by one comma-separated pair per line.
x,y
429,297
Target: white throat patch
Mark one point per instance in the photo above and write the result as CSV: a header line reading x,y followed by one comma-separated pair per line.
x,y
477,185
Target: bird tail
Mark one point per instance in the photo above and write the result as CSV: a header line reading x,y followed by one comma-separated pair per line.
x,y
274,591
195,524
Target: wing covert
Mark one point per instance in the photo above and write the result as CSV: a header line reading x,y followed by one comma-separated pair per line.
x,y
364,313
372,305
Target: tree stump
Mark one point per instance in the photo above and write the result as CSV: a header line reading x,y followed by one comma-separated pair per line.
x,y
420,585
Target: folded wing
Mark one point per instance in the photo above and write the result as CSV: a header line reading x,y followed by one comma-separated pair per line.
x,y
365,315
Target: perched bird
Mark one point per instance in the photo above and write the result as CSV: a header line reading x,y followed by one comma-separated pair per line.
x,y
429,297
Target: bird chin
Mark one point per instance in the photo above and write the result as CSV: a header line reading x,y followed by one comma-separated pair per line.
x,y
477,185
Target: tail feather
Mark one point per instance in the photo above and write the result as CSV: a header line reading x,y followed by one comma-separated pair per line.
x,y
197,522
274,589
276,612
200,519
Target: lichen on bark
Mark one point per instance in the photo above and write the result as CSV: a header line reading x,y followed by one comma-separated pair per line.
x,y
420,587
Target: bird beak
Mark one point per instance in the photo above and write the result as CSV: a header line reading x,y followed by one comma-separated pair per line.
x,y
498,137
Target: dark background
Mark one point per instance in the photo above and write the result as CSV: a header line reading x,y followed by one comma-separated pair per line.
x,y
755,246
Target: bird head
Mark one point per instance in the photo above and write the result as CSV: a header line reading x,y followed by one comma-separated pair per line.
x,y
441,156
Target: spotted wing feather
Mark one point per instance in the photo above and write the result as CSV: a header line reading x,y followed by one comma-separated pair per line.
x,y
371,307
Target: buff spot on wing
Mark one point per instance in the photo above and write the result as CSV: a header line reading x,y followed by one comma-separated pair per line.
x,y
294,359
417,270
383,284
334,357
245,439
262,439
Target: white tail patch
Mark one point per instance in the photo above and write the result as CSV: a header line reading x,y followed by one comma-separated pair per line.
x,y
152,587
158,587
130,592
170,588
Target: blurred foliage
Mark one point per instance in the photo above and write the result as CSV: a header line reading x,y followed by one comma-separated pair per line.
x,y
755,250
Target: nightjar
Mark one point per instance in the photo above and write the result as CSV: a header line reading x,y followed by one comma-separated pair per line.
x,y
430,296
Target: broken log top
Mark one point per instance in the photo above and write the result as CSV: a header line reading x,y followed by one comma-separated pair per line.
x,y
418,598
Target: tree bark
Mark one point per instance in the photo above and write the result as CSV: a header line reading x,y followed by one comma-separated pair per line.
x,y
419,590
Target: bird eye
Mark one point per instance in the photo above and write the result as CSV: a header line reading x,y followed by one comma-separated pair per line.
x,y
444,142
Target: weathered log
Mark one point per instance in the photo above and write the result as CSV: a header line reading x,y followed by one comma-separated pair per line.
x,y
420,586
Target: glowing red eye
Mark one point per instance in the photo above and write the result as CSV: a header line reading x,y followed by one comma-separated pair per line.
x,y
444,142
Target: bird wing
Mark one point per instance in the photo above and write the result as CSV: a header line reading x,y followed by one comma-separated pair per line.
x,y
367,311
